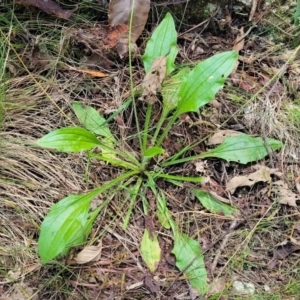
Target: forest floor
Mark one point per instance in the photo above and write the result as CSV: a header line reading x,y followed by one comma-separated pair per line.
x,y
254,256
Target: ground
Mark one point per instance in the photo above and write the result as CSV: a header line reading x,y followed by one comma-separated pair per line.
x,y
254,255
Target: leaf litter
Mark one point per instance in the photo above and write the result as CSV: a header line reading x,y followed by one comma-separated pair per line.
x,y
62,179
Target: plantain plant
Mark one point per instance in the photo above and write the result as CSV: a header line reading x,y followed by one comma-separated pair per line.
x,y
70,221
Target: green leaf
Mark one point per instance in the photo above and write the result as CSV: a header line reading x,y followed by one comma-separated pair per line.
x,y
92,120
162,212
67,224
204,81
69,139
95,123
190,261
242,148
153,151
179,178
213,205
170,89
150,250
163,42
297,14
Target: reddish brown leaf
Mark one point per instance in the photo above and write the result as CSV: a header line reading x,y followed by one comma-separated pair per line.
x,y
119,12
90,72
114,33
49,6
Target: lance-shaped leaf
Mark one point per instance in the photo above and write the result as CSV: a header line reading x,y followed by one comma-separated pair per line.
x,y
162,212
67,224
153,151
243,149
97,124
70,139
163,42
190,260
150,250
92,120
202,84
213,205
170,89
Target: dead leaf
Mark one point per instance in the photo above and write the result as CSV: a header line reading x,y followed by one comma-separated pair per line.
x,y
135,286
239,41
114,34
90,72
119,12
89,254
193,293
220,136
20,292
261,175
49,6
217,285
216,196
152,284
298,186
201,166
286,196
154,78
285,248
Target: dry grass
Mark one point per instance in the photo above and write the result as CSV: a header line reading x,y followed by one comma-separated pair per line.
x,y
38,98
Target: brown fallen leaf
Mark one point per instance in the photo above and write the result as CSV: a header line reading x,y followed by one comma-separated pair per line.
x,y
261,175
217,285
154,78
152,284
90,72
239,41
285,248
89,254
119,12
49,6
115,32
220,136
285,195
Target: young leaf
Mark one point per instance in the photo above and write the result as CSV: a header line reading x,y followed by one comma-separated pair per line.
x,y
243,149
204,81
151,152
190,260
69,139
163,42
213,205
162,212
95,123
66,225
171,88
92,120
150,250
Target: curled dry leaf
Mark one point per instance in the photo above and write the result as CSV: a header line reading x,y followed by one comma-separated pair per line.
x,y
119,12
49,6
285,195
89,254
154,78
261,175
284,249
220,136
